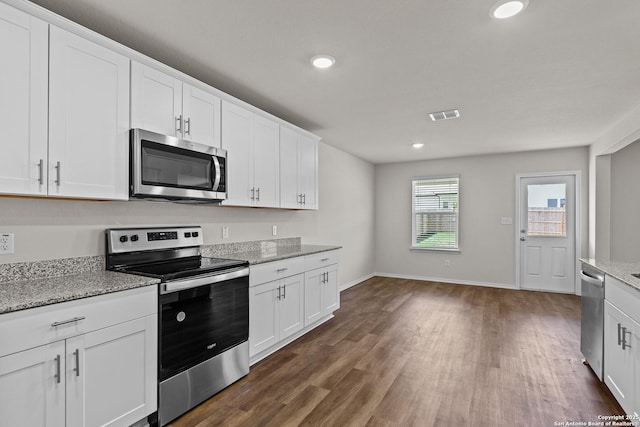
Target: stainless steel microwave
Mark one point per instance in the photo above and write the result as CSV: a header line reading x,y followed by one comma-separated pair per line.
x,y
165,167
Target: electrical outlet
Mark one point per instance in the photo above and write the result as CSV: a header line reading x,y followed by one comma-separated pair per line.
x,y
274,230
506,220
447,263
6,243
225,232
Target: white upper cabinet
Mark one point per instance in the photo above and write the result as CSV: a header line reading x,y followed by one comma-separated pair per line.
x,y
23,103
88,119
164,104
252,144
298,170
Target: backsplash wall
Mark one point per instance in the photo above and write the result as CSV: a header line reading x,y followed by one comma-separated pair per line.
x,y
51,228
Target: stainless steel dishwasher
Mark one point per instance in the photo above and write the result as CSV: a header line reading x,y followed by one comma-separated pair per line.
x,y
592,320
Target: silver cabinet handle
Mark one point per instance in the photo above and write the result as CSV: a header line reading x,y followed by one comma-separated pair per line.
x,y
284,291
619,336
253,193
58,174
258,194
187,126
64,322
624,338
280,270
279,293
179,124
41,172
299,196
57,375
77,368
304,199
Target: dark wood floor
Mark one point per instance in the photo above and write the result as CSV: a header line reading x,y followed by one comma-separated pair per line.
x,y
415,353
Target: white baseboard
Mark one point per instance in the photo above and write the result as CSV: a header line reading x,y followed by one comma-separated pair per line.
x,y
346,286
439,279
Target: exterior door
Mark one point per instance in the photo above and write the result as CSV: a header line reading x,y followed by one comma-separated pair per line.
x,y
547,233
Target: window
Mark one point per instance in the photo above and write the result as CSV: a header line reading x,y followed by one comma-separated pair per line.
x,y
435,210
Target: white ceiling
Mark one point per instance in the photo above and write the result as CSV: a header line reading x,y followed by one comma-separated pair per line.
x,y
558,75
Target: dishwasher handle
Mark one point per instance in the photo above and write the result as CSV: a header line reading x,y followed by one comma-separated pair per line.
x,y
597,281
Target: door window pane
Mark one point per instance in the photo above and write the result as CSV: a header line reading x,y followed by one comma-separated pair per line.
x,y
547,215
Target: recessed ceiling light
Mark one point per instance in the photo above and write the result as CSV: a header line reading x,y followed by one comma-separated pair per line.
x,y
418,145
323,61
508,8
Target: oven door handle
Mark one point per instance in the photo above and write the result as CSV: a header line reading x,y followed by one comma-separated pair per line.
x,y
194,282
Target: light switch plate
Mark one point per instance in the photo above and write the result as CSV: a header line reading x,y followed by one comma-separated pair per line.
x,y
506,220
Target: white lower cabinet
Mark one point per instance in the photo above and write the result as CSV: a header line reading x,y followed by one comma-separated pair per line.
x,y
103,377
275,312
621,344
288,298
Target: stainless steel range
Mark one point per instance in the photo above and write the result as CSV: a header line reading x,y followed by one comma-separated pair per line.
x,y
203,312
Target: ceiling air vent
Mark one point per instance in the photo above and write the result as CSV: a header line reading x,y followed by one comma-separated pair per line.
x,y
444,115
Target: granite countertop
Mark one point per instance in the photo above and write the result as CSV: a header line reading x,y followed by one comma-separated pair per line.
x,y
262,256
261,251
34,284
30,285
620,270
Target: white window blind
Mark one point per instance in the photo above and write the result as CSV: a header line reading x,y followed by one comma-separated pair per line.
x,y
435,212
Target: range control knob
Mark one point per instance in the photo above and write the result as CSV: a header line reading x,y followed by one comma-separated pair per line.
x,y
134,237
194,234
123,239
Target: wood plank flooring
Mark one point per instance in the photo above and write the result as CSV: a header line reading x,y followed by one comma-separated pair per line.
x,y
416,353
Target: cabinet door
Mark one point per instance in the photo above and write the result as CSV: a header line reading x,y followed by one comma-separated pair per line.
x,y
111,374
289,193
237,138
330,291
89,119
23,103
308,171
156,100
312,296
32,387
619,368
263,320
291,306
266,162
201,112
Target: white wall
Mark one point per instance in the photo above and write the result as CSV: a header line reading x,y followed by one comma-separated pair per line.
x,y
487,193
50,228
624,204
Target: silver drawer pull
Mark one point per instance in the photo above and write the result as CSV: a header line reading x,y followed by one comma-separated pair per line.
x,y
64,322
280,270
325,259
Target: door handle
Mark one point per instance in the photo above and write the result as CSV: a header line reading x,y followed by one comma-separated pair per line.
x,y
522,239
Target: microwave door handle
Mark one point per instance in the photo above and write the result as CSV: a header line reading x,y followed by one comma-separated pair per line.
x,y
215,175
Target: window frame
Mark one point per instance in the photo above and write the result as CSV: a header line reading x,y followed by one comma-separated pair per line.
x,y
413,214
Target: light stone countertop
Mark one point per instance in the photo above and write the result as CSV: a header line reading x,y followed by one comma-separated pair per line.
x,y
34,284
620,270
30,293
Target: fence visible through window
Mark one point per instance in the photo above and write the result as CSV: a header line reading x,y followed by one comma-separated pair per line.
x,y
547,222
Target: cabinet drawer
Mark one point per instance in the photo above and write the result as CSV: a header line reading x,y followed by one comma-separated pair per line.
x,y
270,271
320,260
623,296
25,329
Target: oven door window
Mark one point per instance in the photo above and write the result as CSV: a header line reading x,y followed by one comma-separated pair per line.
x,y
167,166
197,324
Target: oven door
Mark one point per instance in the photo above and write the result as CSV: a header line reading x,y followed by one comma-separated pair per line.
x,y
197,323
167,167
